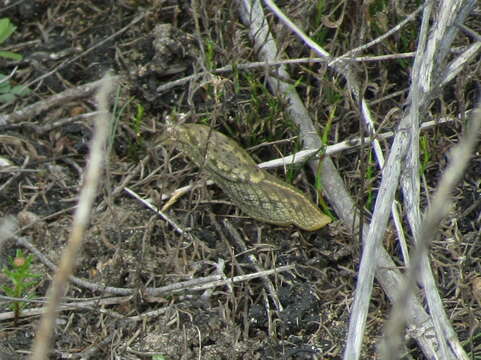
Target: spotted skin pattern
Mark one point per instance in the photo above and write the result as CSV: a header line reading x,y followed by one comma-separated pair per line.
x,y
256,192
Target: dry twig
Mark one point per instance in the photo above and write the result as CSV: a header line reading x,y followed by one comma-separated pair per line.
x,y
429,61
37,108
439,209
183,286
252,259
41,345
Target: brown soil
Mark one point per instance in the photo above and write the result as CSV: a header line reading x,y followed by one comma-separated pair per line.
x,y
130,247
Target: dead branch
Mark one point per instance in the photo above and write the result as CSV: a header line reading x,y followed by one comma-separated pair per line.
x,y
439,209
41,344
39,107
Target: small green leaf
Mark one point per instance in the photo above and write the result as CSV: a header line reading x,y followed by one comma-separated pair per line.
x,y
6,29
158,357
6,98
10,55
20,90
5,86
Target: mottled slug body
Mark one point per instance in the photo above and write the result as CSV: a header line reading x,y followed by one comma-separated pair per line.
x,y
216,153
258,193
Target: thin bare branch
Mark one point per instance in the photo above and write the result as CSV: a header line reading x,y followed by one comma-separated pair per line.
x,y
37,108
183,286
429,62
42,341
441,204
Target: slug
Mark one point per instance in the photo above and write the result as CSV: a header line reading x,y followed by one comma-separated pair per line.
x,y
256,192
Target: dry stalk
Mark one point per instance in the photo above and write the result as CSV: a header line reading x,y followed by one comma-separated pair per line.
x,y
183,286
439,209
41,345
428,63
37,108
265,64
305,155
252,259
95,305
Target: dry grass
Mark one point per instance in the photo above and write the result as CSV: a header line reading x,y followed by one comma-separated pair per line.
x,y
203,280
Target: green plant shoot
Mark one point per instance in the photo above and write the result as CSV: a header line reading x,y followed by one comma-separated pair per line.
x,y
426,156
7,29
9,93
22,280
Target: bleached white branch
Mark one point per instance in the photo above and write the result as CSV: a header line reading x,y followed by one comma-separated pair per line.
x,y
429,63
439,209
332,182
305,155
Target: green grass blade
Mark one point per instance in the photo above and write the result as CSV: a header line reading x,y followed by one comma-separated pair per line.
x,y
10,55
